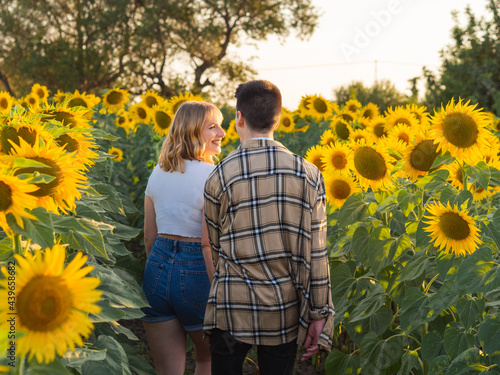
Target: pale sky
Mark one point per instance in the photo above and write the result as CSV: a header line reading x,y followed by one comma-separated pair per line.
x,y
402,35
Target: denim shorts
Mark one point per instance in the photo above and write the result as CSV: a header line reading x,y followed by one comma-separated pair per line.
x,y
176,283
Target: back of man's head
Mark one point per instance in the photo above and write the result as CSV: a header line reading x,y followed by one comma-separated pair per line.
x,y
260,104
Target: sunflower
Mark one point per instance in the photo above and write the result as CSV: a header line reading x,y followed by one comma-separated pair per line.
x,y
479,193
176,101
162,119
59,97
395,148
346,115
420,113
315,155
361,136
117,154
370,165
151,98
115,99
353,106
304,105
400,115
377,127
139,113
335,157
418,161
456,176
491,155
452,230
15,198
363,122
6,102
231,133
369,111
31,100
75,117
461,130
328,138
52,303
287,123
81,144
339,187
82,100
62,190
320,108
401,132
25,127
40,91
341,128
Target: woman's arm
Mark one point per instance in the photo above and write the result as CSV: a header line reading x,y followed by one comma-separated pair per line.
x,y
150,228
206,248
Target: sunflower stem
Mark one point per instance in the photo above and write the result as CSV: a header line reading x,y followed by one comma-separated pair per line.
x,y
16,243
110,171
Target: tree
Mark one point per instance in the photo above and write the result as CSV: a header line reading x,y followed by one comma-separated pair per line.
x,y
383,93
471,64
170,45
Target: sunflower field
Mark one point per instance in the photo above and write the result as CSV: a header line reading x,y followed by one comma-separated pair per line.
x,y
413,230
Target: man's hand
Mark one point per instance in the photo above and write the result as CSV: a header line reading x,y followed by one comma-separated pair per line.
x,y
311,343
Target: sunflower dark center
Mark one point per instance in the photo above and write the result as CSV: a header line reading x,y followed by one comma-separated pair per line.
x,y
404,137
44,303
347,117
339,160
65,118
151,101
4,103
423,155
342,130
454,226
70,143
178,104
340,189
121,120
379,130
40,93
460,130
10,133
5,196
114,97
369,163
77,102
403,121
320,105
163,120
286,122
32,100
368,113
317,162
141,112
52,169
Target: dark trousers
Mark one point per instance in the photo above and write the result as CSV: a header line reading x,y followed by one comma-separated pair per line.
x,y
228,355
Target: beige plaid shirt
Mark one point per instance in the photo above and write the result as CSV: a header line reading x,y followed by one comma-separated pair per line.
x,y
266,218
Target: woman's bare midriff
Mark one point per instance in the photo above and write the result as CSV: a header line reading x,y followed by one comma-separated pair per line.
x,y
180,238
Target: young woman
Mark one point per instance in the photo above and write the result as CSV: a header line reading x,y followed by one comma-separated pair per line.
x,y
175,279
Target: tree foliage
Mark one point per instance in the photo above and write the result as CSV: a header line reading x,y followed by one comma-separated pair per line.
x,y
471,64
164,44
383,93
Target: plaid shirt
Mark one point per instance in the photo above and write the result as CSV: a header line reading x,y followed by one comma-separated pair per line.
x,y
266,219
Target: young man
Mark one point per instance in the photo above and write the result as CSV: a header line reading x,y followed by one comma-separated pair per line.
x,y
266,220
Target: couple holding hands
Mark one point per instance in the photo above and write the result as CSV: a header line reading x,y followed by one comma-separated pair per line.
x,y
237,252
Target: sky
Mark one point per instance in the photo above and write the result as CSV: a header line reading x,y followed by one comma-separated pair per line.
x,y
360,40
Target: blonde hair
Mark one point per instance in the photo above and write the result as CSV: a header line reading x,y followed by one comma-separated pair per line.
x,y
184,140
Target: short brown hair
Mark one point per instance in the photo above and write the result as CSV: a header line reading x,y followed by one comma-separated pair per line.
x,y
259,102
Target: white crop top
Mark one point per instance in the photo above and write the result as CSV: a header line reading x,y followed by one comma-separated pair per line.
x,y
178,198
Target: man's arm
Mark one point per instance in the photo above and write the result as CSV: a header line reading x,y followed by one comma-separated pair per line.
x,y
212,215
320,332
